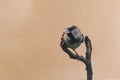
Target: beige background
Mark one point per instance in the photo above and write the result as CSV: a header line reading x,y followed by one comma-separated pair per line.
x,y
30,32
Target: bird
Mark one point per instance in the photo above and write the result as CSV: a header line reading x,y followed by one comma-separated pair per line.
x,y
73,37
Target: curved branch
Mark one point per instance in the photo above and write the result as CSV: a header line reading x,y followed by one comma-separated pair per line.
x,y
88,47
86,60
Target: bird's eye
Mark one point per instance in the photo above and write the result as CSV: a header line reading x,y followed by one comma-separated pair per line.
x,y
75,31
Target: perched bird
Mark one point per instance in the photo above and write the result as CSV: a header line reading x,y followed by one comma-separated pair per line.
x,y
73,37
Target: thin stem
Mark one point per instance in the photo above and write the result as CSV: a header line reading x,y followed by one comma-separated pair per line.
x,y
86,60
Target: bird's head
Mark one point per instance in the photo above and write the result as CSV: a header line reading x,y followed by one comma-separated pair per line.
x,y
69,29
73,37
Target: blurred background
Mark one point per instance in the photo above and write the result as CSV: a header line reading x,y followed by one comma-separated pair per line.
x,y
30,32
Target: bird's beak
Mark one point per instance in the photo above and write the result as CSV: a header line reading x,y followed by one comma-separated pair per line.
x,y
67,31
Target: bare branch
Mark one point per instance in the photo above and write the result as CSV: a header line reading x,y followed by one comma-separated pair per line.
x,y
86,60
88,47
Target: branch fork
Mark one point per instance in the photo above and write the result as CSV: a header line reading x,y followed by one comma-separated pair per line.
x,y
86,60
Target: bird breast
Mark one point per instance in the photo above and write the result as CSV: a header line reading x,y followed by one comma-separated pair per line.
x,y
72,42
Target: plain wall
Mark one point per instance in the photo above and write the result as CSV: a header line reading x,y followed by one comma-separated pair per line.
x,y
30,32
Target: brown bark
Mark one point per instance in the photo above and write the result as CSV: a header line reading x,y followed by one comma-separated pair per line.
x,y
86,60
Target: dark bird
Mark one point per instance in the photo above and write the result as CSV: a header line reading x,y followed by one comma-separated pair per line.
x,y
73,37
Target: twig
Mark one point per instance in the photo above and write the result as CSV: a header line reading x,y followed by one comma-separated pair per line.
x,y
86,60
